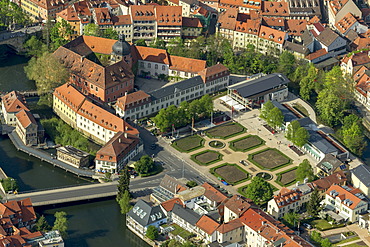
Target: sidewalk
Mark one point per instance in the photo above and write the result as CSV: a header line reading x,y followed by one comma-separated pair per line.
x,y
362,233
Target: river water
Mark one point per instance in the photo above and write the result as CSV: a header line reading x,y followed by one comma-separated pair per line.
x,y
95,224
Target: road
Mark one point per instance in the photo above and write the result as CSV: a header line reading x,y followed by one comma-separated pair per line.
x,y
19,32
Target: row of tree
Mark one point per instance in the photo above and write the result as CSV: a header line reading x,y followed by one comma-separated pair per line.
x,y
60,224
272,115
184,114
94,30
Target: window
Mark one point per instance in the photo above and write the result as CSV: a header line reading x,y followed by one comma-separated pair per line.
x,y
156,66
163,67
149,65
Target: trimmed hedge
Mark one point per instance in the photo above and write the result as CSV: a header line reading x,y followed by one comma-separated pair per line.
x,y
228,136
157,169
250,158
193,157
231,144
279,176
213,172
200,145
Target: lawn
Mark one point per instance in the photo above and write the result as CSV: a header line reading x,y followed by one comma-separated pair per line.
x,y
189,143
347,240
225,131
324,225
269,159
301,109
181,232
246,143
206,157
231,173
286,178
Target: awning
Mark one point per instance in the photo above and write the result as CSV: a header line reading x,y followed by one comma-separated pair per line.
x,y
336,217
232,103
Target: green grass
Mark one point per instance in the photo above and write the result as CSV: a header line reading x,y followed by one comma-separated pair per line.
x,y
347,240
211,161
270,157
181,232
279,177
157,169
229,179
188,144
324,225
243,145
225,131
301,109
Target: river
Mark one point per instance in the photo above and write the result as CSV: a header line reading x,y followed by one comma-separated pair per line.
x,y
93,224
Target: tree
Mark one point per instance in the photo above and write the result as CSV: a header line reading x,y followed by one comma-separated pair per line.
x,y
265,110
158,43
313,206
42,225
275,118
353,135
123,183
61,223
35,47
109,33
292,130
304,170
124,202
12,14
140,42
92,29
47,72
259,190
325,242
191,184
286,63
9,184
330,107
152,232
60,33
316,236
291,218
144,165
301,137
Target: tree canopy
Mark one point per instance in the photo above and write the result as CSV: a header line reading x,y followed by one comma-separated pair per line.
x,y
305,170
291,218
273,115
47,72
35,47
144,165
92,29
11,14
313,206
297,134
109,33
353,135
60,33
42,225
124,202
152,232
259,190
123,183
61,223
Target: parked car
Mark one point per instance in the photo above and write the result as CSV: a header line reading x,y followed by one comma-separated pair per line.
x,y
224,182
243,162
306,225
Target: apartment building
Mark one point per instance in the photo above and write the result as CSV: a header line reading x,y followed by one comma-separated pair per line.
x,y
169,22
11,104
73,156
143,21
44,9
337,9
27,128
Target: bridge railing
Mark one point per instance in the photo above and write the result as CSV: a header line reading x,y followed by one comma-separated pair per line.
x,y
55,188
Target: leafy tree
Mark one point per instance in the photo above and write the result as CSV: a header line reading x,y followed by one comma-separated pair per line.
x,y
92,29
109,33
316,236
275,118
259,190
12,14
265,110
123,182
291,218
47,72
144,165
124,202
191,184
286,63
9,184
35,47
140,42
330,107
61,223
301,137
152,232
158,43
313,206
325,242
304,170
42,225
353,135
292,130
60,33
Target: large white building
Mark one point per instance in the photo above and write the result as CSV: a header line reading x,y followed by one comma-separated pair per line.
x,y
11,104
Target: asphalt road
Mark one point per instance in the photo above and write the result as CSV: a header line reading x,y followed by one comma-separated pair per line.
x,y
19,32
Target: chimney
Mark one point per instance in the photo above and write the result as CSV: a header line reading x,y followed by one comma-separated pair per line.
x,y
82,58
125,93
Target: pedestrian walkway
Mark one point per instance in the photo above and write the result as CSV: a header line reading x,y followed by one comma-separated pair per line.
x,y
362,233
352,242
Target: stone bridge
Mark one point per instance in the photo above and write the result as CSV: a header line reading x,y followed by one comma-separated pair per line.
x,y
15,43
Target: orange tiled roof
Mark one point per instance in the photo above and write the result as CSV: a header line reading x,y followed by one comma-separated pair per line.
x,y
68,14
142,12
191,22
325,183
213,194
314,19
213,71
25,118
82,9
207,224
168,205
359,58
295,27
168,15
14,102
121,20
117,147
344,194
273,21
316,54
336,5
238,204
187,64
104,118
132,100
250,27
275,8
346,22
69,96
229,226
228,19
103,17
272,34
152,54
287,197
359,73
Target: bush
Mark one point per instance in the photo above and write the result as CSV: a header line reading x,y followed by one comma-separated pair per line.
x,y
152,232
9,184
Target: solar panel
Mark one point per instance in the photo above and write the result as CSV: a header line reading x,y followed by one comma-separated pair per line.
x,y
343,167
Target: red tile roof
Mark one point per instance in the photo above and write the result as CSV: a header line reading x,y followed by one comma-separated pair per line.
x,y
336,5
168,205
69,14
316,54
238,204
133,100
191,22
227,19
346,22
359,58
287,197
214,72
142,12
151,54
270,8
103,17
117,147
187,64
250,27
69,96
272,34
168,15
230,226
359,73
121,20
25,118
207,224
14,102
344,194
295,27
213,194
324,183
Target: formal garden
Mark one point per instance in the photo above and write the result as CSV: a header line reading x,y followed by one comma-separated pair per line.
x,y
231,173
269,159
188,144
246,143
225,131
206,157
286,178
